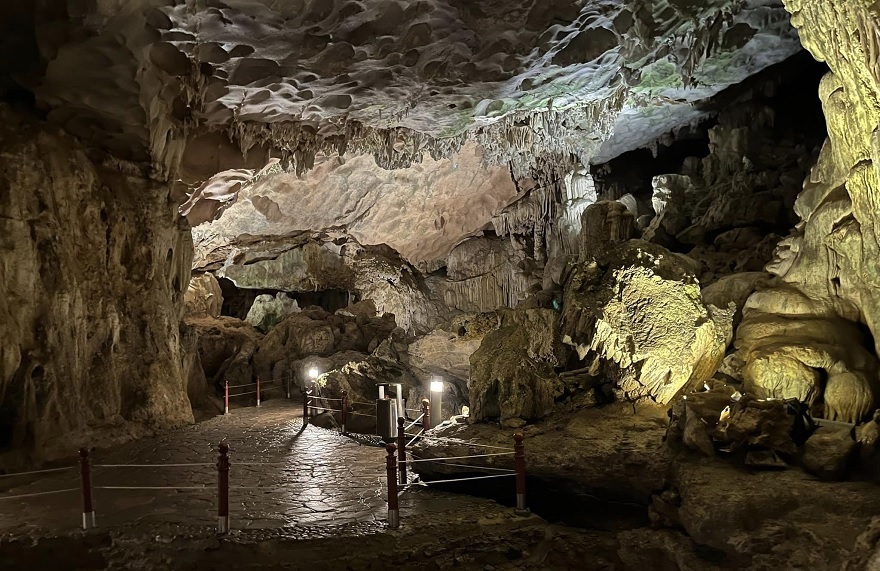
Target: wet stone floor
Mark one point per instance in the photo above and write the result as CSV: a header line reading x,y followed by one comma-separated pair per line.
x,y
284,478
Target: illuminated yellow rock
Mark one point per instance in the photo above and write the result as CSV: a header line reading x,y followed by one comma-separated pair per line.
x,y
639,308
801,338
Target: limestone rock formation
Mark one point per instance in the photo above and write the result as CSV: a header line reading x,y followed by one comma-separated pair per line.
x,y
203,296
267,310
312,263
421,212
512,374
93,269
316,333
399,81
445,355
827,275
829,452
226,348
792,347
639,310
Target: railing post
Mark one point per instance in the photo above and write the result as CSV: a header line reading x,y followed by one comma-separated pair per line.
x,y
426,410
305,406
86,481
258,390
401,449
519,461
344,408
287,384
223,489
225,397
393,510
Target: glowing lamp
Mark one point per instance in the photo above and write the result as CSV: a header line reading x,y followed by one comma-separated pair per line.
x,y
436,401
314,373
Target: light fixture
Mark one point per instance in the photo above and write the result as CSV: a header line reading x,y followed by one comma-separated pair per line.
x,y
437,386
314,373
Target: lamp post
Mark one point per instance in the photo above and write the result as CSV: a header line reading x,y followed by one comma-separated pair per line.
x,y
437,387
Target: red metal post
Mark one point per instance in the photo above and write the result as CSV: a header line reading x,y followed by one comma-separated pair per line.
x,y
258,391
426,410
225,397
86,480
393,510
344,409
305,406
223,489
519,461
401,449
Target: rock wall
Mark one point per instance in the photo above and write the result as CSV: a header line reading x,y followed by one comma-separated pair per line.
x,y
829,269
93,269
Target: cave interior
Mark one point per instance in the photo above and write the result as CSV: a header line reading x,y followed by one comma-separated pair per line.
x,y
641,234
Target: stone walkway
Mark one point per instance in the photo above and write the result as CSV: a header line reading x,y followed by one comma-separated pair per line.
x,y
282,476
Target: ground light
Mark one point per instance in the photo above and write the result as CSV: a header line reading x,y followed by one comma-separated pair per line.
x,y
437,387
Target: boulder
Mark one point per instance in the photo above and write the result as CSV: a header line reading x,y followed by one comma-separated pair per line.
x,y
828,453
267,310
791,346
315,333
203,296
226,349
639,309
512,376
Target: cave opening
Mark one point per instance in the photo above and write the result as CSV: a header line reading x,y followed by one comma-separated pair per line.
x,y
237,301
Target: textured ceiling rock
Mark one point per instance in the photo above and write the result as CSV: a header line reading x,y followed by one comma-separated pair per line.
x,y
398,78
421,211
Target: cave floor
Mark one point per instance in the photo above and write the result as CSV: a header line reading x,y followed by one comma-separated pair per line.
x,y
315,501
282,476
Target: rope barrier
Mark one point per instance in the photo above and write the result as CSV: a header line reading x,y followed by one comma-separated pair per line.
x,y
505,470
38,494
240,386
325,409
466,479
154,487
429,439
415,437
201,464
36,472
462,457
362,414
243,394
325,398
362,403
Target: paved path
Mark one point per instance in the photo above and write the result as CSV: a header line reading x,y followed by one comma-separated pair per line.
x,y
282,476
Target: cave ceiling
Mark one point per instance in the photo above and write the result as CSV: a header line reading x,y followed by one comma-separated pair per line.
x,y
199,87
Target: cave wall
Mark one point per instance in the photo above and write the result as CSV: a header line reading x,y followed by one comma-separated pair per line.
x,y
813,333
93,267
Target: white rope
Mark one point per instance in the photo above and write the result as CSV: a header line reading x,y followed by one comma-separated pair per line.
x,y
38,494
362,414
465,479
464,443
154,487
325,398
36,472
362,403
462,457
506,470
240,386
326,409
243,394
152,465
